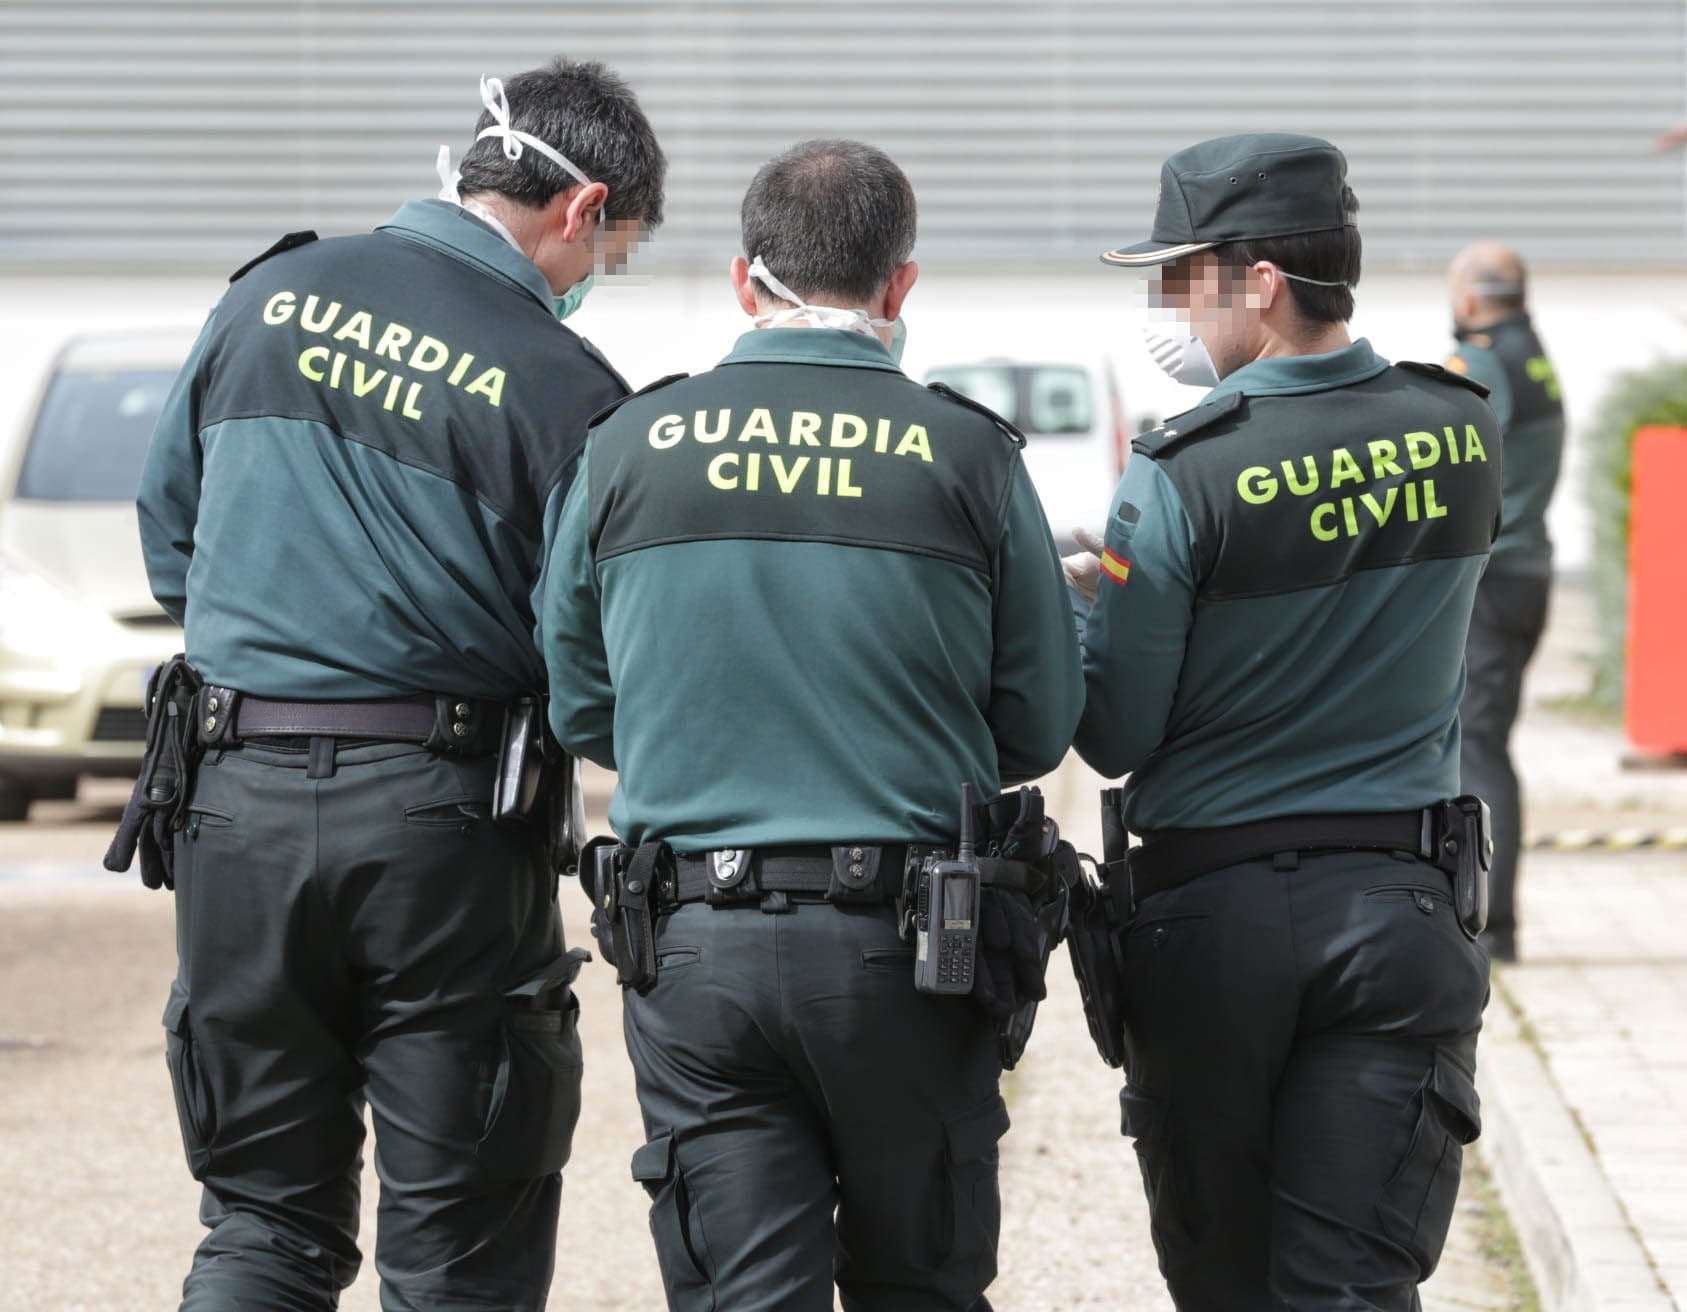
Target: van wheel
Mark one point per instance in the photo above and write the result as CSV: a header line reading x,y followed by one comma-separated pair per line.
x,y
60,789
14,801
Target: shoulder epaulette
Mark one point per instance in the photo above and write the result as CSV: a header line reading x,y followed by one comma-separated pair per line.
x,y
960,398
1442,374
603,359
1158,441
613,406
287,243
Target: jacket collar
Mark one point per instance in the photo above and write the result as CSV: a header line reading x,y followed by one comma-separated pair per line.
x,y
459,234
1295,375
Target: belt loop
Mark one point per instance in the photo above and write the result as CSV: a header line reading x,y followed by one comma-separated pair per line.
x,y
321,759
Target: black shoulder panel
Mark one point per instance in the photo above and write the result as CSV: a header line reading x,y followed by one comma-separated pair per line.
x,y
1179,427
591,350
613,406
959,398
287,243
1442,374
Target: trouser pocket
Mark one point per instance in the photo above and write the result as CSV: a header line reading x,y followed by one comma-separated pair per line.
x,y
535,1102
1416,1206
194,1108
1147,1121
682,1250
971,1159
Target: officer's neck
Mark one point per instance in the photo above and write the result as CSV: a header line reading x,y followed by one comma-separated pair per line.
x,y
1289,339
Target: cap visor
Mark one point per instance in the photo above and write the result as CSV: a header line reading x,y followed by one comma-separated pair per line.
x,y
1147,253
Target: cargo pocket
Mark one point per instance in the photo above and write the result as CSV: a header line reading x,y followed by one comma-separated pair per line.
x,y
971,1157
682,1251
1417,1203
535,1100
194,1109
1147,1120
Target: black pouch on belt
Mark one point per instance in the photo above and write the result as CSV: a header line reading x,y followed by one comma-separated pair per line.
x,y
1100,913
1466,851
633,911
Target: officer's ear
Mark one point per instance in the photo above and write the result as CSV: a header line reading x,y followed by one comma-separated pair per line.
x,y
897,289
579,206
743,286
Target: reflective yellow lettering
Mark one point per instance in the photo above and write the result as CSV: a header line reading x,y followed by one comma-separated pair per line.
x,y
914,443
1423,449
411,410
393,342
1384,458
667,431
317,353
1348,515
752,472
1473,448
1255,485
715,434
490,385
845,487
1298,488
881,439
718,464
279,308
356,329
805,425
1411,503
823,480
1382,512
1452,446
760,424
1324,535
1344,468
787,478
323,322
392,392
340,358
364,383
462,368
1431,510
430,355
857,433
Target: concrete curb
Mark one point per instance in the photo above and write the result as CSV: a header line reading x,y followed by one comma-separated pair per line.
x,y
1582,1252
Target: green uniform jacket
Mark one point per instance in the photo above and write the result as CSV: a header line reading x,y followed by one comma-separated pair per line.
x,y
1509,360
801,599
1281,620
346,494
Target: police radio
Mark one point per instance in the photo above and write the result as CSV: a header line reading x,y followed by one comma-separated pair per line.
x,y
946,916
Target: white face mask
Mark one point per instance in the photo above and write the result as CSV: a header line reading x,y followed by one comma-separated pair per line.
x,y
821,316
1185,359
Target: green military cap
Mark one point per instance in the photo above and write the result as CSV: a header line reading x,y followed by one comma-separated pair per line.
x,y
1241,188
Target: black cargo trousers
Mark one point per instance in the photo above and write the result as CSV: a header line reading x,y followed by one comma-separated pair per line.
x,y
812,1118
1301,1049
368,935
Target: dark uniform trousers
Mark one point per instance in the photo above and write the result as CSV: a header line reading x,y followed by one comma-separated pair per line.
x,y
368,935
1301,1055
1505,628
788,1071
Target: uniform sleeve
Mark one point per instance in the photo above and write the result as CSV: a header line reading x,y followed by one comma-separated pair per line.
x,y
570,633
1483,366
1036,682
1134,638
168,502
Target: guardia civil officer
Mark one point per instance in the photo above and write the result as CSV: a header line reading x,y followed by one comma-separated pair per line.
x,y
796,601
346,502
1275,655
1499,348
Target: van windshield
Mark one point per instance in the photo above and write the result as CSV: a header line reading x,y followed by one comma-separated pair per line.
x,y
91,437
1042,400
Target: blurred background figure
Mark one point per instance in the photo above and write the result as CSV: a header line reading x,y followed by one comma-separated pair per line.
x,y
1498,347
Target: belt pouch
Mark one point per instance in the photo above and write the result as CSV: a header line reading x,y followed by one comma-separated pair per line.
x,y
635,925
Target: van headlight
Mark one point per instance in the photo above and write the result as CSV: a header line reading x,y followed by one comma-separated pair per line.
x,y
40,619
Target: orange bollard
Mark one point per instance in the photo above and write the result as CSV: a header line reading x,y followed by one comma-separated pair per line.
x,y
1656,701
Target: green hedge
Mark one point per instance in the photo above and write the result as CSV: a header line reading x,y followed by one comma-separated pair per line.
x,y
1657,395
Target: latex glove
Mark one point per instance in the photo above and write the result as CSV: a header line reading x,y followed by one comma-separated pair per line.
x,y
1083,569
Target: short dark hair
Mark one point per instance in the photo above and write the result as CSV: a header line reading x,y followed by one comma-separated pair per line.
x,y
1330,256
830,216
590,116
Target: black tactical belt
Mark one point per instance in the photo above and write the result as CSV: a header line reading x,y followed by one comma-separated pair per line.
x,y
462,726
1169,858
852,872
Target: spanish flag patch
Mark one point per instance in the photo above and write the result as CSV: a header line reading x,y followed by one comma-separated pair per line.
x,y
1116,567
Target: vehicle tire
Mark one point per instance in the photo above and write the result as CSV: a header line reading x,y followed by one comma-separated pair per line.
x,y
14,801
60,789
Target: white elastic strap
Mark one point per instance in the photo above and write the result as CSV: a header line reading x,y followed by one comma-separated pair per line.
x,y
822,316
1316,282
498,105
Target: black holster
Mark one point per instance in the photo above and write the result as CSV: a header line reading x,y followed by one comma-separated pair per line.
x,y
1466,850
157,806
1095,941
623,886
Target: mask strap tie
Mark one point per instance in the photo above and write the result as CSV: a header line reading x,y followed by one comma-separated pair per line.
x,y
497,104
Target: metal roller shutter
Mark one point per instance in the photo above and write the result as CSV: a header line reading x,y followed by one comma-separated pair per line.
x,y
186,134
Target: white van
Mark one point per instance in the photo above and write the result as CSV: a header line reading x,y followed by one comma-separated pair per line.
x,y
79,630
1074,424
